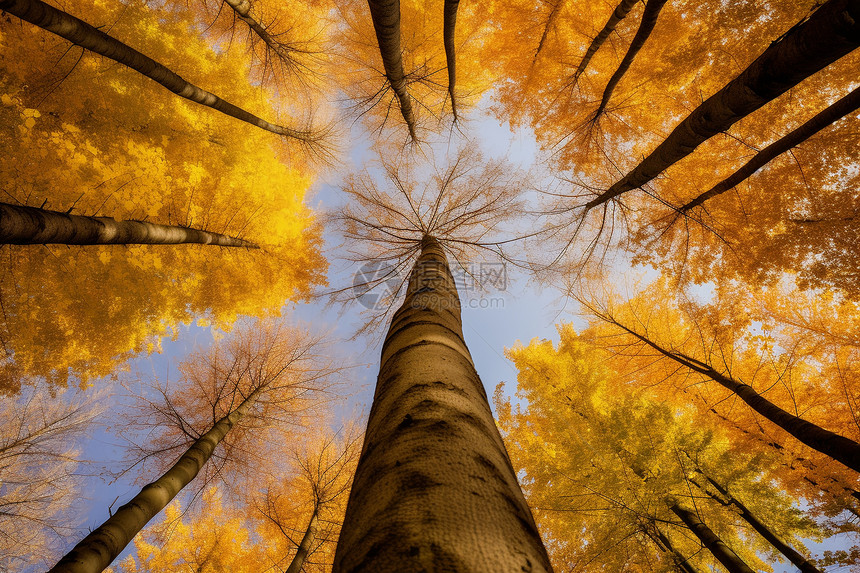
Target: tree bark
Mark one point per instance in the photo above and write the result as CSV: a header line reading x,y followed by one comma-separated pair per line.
x,y
82,34
304,547
718,549
386,23
680,561
617,15
434,489
832,31
98,549
789,552
821,120
21,225
448,35
828,443
646,26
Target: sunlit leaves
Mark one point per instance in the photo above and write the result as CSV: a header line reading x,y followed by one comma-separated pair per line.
x,y
96,148
599,462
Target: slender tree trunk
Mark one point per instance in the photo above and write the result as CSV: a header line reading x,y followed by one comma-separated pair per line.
x,y
448,35
718,549
617,15
828,443
242,9
789,552
835,112
680,561
21,225
386,22
303,550
832,31
548,26
646,26
98,549
79,32
434,489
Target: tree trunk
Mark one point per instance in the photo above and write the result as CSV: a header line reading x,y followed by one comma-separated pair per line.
x,y
680,561
98,549
21,225
434,489
832,31
79,32
617,15
821,120
303,550
386,23
646,26
828,443
242,8
448,35
718,549
789,552
548,26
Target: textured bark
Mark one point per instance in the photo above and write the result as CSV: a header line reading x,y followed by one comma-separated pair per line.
x,y
33,226
828,443
832,31
304,548
386,23
789,552
79,32
448,35
98,549
821,120
646,26
617,15
434,489
718,549
681,562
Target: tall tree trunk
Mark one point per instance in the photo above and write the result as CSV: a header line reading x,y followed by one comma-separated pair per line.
x,y
646,26
448,35
98,549
828,443
304,548
434,489
386,23
832,31
79,32
835,112
617,15
789,552
709,539
21,225
664,543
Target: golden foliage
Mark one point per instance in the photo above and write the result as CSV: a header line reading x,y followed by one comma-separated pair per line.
x,y
82,139
600,463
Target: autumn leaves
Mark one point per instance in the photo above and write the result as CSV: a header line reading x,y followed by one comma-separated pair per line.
x,y
712,142
725,164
